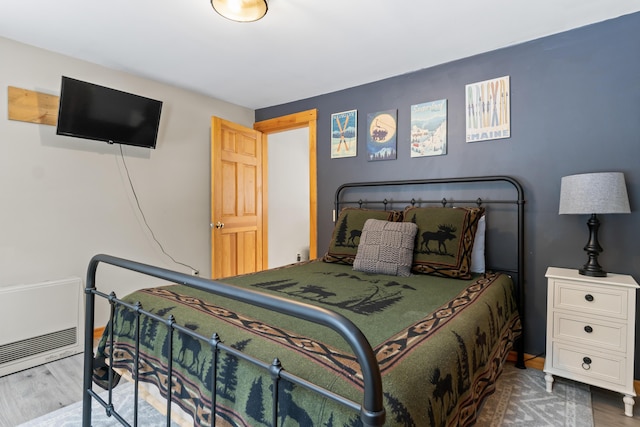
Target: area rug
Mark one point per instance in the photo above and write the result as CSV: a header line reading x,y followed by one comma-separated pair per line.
x,y
71,416
520,399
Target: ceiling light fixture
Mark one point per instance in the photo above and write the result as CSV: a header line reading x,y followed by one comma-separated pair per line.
x,y
241,10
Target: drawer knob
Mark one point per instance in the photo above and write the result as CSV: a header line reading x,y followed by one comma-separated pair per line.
x,y
588,297
586,363
588,329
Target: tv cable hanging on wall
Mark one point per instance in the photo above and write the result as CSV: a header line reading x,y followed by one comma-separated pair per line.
x,y
144,218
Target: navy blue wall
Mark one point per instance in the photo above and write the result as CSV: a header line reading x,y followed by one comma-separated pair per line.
x,y
575,107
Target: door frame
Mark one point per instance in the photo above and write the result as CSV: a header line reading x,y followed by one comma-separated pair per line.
x,y
293,121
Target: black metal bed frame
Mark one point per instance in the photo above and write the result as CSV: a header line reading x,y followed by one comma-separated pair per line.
x,y
519,201
372,412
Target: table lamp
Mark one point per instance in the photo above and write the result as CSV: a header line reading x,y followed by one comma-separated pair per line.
x,y
592,194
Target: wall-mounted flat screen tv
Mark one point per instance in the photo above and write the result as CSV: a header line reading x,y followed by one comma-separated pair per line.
x,y
100,113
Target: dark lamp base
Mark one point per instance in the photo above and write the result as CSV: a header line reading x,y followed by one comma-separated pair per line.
x,y
593,249
591,273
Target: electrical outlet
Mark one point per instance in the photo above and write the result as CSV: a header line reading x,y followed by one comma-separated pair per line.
x,y
195,272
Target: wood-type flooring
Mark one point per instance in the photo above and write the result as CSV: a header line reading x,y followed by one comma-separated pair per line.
x,y
34,392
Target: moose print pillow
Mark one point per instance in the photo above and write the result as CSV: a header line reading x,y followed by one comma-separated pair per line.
x,y
444,240
348,229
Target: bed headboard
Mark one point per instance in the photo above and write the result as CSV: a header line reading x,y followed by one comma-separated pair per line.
x,y
501,196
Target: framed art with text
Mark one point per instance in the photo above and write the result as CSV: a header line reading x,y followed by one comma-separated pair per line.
x,y
429,129
344,134
487,110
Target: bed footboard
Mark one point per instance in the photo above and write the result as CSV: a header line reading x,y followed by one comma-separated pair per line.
x,y
372,412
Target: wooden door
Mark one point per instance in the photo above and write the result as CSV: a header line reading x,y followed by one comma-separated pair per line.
x,y
236,199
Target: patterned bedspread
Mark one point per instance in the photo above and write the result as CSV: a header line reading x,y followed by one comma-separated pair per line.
x,y
440,344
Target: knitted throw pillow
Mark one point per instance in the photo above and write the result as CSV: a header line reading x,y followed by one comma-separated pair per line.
x,y
386,248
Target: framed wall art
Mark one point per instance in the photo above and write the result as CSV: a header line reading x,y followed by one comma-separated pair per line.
x,y
381,135
344,134
488,110
429,129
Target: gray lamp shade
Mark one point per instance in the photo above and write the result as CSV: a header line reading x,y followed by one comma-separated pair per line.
x,y
594,193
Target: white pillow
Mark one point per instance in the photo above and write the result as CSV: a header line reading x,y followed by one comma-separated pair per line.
x,y
477,254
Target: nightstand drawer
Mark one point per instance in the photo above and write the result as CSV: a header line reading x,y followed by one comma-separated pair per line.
x,y
590,331
591,299
602,367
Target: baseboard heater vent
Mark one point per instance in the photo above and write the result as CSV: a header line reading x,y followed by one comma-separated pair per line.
x,y
36,345
42,322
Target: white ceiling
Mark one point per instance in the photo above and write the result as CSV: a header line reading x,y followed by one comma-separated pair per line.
x,y
302,48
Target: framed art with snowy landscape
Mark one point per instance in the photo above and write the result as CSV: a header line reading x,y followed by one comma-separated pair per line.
x,y
381,135
344,134
429,129
487,110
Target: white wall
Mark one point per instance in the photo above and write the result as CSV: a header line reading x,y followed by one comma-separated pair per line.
x,y
66,199
288,194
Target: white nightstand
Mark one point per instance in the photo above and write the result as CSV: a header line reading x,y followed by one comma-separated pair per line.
x,y
591,330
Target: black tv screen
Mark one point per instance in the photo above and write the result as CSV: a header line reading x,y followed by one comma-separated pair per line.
x,y
100,113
